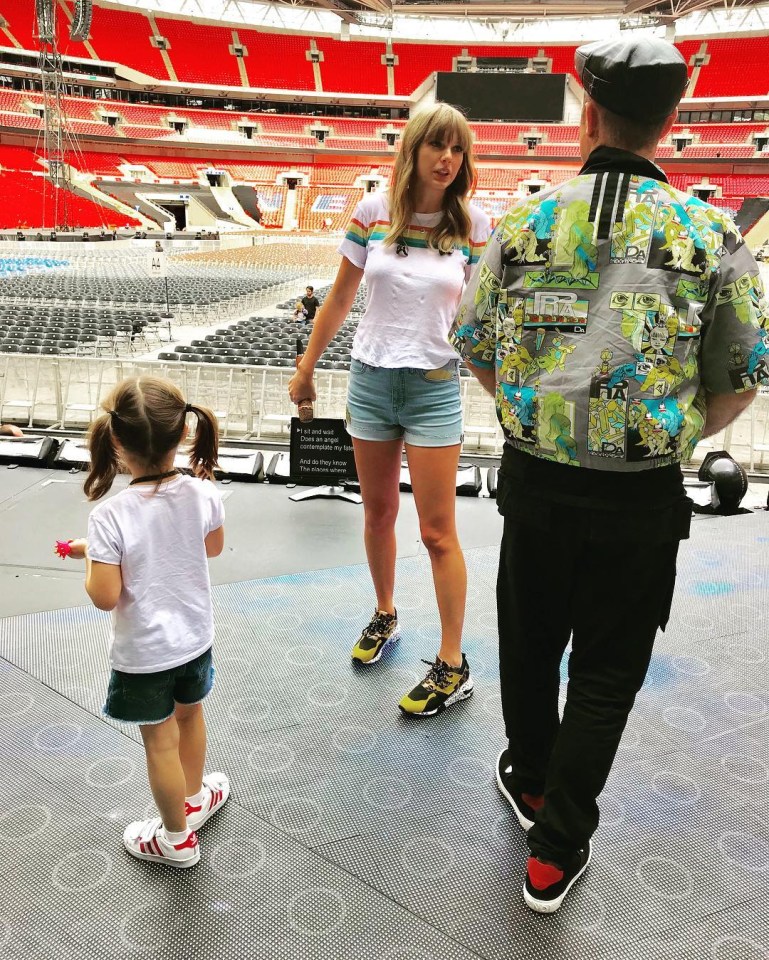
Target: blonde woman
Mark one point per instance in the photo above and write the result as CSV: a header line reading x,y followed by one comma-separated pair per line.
x,y
414,245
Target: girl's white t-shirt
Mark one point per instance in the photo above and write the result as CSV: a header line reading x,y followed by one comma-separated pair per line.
x,y
164,616
411,301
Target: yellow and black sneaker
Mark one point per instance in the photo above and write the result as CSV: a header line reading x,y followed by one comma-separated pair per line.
x,y
381,633
442,686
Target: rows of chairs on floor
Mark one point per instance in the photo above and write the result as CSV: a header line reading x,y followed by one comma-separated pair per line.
x,y
204,290
20,265
80,331
193,291
89,328
270,341
263,341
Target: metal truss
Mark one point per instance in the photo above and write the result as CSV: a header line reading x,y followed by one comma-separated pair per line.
x,y
58,138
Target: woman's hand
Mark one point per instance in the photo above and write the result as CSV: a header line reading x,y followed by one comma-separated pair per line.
x,y
301,387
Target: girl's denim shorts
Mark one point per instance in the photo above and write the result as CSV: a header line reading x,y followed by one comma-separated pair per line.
x,y
422,407
149,698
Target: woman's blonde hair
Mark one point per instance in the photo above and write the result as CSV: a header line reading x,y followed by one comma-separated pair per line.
x,y
444,123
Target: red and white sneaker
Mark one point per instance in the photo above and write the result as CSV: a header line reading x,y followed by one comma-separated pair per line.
x,y
546,884
146,840
216,791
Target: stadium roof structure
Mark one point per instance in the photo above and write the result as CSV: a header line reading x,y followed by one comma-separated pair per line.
x,y
650,12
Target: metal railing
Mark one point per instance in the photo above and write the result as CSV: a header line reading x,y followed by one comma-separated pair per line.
x,y
251,402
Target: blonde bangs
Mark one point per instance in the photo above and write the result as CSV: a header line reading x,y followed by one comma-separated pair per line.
x,y
448,130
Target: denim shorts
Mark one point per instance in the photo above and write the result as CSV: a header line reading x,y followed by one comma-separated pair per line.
x,y
423,407
149,698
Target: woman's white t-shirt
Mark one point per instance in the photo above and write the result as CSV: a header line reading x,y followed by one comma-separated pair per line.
x,y
164,616
411,301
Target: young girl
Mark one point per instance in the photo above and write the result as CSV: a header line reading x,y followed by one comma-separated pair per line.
x,y
146,561
414,245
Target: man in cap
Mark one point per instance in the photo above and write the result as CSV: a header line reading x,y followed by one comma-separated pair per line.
x,y
633,317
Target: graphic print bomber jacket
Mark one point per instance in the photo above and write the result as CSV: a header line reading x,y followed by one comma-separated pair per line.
x,y
607,306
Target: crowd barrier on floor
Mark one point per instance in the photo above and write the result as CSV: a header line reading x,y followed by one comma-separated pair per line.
x,y
252,402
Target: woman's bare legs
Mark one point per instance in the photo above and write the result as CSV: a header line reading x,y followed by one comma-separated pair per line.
x,y
433,472
378,463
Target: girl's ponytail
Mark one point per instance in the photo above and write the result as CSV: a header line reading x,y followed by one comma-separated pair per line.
x,y
104,460
205,443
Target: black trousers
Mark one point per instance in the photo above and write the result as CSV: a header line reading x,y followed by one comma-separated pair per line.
x,y
581,571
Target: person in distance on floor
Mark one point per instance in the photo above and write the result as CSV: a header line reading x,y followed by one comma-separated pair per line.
x,y
306,308
415,246
146,556
616,320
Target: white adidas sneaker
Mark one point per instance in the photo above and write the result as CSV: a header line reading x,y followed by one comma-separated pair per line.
x,y
216,792
146,840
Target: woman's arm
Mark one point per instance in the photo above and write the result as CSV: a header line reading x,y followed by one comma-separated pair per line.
x,y
328,322
486,376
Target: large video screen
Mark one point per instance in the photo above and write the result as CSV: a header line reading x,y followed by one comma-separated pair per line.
x,y
505,96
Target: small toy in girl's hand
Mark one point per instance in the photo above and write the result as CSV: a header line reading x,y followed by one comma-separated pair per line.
x,y
63,548
71,548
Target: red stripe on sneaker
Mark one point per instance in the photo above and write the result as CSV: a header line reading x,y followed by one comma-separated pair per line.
x,y
543,875
155,847
188,808
190,843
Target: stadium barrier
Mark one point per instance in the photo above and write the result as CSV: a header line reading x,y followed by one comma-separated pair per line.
x,y
252,402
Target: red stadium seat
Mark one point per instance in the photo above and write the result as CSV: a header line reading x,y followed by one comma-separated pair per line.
x,y
27,204
123,37
352,147
186,42
737,68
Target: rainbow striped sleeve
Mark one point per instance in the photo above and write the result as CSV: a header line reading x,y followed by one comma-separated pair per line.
x,y
357,233
476,249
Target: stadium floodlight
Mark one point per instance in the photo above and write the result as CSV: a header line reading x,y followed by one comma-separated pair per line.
x,y
81,20
46,20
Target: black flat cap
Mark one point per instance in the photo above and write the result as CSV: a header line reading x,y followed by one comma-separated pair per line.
x,y
642,79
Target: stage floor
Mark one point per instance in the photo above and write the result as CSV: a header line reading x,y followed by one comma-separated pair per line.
x,y
352,832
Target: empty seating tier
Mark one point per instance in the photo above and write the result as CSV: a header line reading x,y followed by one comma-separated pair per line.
x,y
736,67
732,66
188,40
124,37
28,202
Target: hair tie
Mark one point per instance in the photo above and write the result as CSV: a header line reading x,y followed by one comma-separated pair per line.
x,y
113,414
188,408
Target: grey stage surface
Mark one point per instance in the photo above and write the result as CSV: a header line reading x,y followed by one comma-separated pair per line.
x,y
352,833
